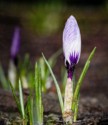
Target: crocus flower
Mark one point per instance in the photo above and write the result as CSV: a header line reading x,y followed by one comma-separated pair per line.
x,y
12,73
15,44
71,45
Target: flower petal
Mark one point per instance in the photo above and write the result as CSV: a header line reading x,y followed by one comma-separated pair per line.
x,y
15,43
71,41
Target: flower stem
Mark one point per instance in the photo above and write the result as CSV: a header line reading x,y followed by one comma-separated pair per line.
x,y
68,114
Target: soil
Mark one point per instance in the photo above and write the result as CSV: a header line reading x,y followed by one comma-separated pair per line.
x,y
93,105
92,110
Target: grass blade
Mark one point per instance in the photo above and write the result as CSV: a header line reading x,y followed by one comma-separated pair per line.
x,y
29,110
52,60
44,75
21,100
15,97
56,84
76,110
38,107
79,83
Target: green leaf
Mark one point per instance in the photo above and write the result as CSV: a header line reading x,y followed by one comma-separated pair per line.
x,y
29,110
15,97
21,100
44,74
56,84
38,107
76,110
79,83
52,60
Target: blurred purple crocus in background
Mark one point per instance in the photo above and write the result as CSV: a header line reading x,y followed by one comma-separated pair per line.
x,y
15,44
12,72
71,45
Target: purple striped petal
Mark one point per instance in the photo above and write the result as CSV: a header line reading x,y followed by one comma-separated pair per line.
x,y
71,44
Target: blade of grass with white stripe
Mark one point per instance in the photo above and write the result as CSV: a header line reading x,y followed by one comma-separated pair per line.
x,y
29,110
44,75
79,83
15,97
76,110
38,107
56,84
21,100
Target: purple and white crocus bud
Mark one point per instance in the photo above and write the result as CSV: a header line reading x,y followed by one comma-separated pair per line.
x,y
71,45
15,44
